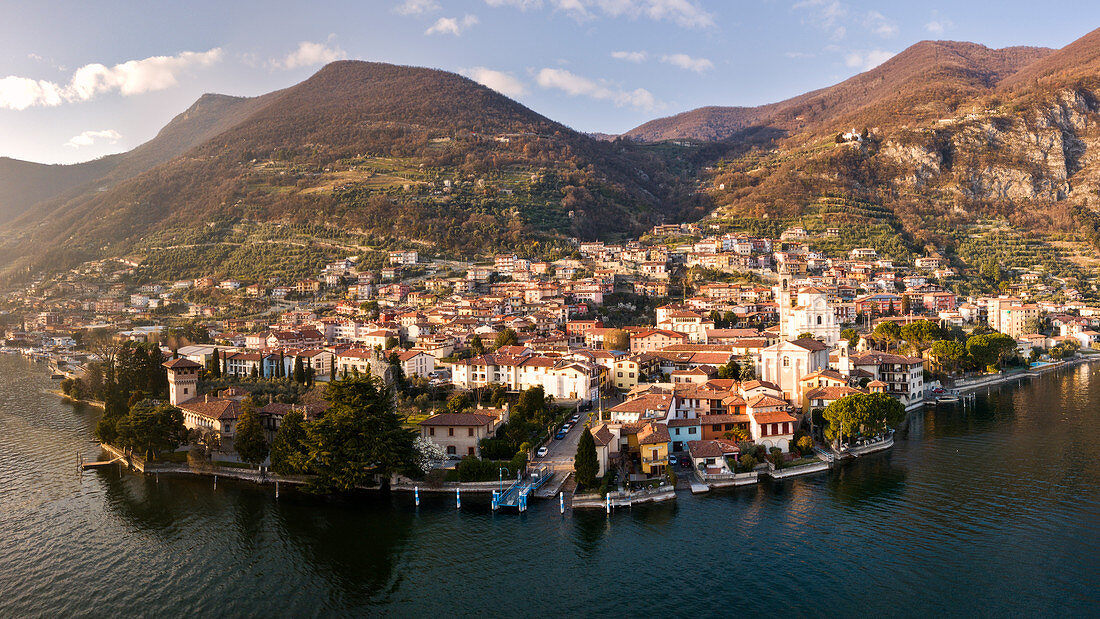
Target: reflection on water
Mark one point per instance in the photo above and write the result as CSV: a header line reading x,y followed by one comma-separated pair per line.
x,y
994,501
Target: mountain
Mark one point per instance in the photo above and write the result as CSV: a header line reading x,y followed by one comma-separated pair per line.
x,y
25,185
990,157
373,153
922,82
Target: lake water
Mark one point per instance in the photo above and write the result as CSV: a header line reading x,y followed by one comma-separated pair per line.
x,y
989,510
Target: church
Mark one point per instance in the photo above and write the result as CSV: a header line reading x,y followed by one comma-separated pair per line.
x,y
808,311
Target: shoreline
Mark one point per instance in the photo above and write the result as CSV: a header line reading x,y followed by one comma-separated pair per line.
x,y
483,488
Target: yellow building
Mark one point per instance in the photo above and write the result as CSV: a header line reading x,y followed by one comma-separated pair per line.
x,y
651,441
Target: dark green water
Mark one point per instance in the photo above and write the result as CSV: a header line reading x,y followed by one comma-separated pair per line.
x,y
990,511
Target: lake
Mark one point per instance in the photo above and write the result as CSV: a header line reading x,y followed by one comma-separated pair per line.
x,y
992,509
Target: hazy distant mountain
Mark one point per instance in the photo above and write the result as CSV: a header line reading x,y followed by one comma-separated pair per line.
x,y
24,184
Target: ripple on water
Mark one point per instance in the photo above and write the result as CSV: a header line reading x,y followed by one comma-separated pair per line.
x,y
995,503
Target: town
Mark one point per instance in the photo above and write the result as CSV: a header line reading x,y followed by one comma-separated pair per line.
x,y
687,355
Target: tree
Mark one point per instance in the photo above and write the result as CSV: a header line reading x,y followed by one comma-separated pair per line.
x,y
299,371
736,434
852,336
476,345
949,354
888,332
730,370
288,449
748,372
249,440
458,403
805,444
990,349
861,413
428,454
616,339
392,342
506,337
586,464
150,429
920,333
360,437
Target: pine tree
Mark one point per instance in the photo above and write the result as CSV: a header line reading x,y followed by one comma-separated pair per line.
x,y
586,464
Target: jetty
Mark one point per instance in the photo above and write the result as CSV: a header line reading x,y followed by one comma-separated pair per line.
x,y
100,464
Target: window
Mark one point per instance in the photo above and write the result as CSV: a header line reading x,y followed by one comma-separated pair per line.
x,y
469,431
470,451
620,374
819,320
431,431
451,450
691,430
185,391
450,431
786,362
632,375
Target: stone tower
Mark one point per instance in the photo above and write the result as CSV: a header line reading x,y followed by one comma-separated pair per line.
x,y
183,380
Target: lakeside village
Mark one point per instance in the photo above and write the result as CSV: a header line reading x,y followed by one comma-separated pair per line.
x,y
620,373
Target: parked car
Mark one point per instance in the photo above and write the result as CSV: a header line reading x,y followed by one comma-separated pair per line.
x,y
541,453
560,435
685,463
575,418
672,459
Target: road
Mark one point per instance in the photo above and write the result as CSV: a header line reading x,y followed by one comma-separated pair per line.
x,y
560,456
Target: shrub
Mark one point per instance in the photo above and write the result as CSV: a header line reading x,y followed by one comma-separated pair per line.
x,y
747,463
805,445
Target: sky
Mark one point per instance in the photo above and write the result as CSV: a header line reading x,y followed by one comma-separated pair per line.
x,y
82,80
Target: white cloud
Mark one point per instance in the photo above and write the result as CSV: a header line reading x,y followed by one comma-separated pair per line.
x,y
576,85
137,76
451,25
825,14
128,78
685,13
522,5
938,25
630,56
879,25
88,138
682,12
688,63
799,55
20,93
309,54
865,61
502,82
416,7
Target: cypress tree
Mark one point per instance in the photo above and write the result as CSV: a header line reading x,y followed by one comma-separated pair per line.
x,y
299,371
586,464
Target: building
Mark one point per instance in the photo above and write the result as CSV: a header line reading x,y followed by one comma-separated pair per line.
x,y
206,413
459,434
786,363
416,363
1011,317
902,376
712,456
